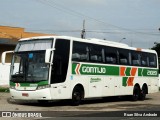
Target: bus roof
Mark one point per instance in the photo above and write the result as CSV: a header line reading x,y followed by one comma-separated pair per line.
x,y
91,40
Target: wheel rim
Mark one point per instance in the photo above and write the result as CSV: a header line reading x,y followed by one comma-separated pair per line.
x,y
136,94
143,93
77,97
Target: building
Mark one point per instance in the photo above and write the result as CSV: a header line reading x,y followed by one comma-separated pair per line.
x,y
9,37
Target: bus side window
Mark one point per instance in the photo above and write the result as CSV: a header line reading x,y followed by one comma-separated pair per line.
x,y
144,59
111,55
123,57
135,58
95,53
103,55
152,60
130,58
80,52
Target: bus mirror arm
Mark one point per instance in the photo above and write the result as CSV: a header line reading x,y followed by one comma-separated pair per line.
x,y
48,55
3,57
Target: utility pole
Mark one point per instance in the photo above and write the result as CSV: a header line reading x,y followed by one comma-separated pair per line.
x,y
83,33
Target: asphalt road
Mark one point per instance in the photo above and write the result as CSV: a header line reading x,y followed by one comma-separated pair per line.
x,y
109,108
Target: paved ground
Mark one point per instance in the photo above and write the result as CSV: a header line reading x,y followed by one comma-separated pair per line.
x,y
89,108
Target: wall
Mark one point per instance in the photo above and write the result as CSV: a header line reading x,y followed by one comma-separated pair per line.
x,y
6,48
15,33
4,74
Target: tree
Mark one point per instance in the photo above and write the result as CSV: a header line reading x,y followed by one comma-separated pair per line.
x,y
157,49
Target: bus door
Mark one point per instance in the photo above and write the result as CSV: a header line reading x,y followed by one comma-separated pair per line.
x,y
59,89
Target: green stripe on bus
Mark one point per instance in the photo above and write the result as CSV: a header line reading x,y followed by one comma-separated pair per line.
x,y
87,69
128,69
150,72
90,69
45,82
140,71
74,68
113,70
124,81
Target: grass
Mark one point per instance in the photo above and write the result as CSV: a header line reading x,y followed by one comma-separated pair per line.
x,y
4,89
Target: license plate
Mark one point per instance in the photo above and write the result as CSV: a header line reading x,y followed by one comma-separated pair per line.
x,y
25,94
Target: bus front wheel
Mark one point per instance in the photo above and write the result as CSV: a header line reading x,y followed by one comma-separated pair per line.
x,y
76,96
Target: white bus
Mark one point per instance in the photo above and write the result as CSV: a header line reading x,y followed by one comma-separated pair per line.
x,y
61,67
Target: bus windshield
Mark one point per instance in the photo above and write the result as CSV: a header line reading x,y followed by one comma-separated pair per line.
x,y
28,63
29,67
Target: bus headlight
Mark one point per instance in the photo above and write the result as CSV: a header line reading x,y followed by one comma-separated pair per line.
x,y
43,87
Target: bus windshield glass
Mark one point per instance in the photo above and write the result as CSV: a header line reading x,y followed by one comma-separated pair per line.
x,y
28,63
34,45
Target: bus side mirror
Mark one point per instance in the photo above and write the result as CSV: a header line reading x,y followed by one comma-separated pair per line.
x,y
48,55
3,58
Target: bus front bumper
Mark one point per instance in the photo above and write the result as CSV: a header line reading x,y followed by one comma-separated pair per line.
x,y
43,94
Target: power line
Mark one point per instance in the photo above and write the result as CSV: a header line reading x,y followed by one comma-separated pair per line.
x,y
94,31
118,32
64,9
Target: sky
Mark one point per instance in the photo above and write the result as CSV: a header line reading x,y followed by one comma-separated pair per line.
x,y
133,22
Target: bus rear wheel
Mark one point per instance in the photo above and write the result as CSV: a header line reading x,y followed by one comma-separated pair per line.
x,y
136,93
143,93
76,96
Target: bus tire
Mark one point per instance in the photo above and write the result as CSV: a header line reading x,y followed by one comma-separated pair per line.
x,y
76,96
143,93
43,102
136,93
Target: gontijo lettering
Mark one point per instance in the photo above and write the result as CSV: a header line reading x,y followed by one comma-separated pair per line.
x,y
86,69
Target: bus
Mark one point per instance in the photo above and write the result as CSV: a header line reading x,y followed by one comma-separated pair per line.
x,y
61,67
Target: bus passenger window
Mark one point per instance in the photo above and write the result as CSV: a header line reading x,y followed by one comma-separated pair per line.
x,y
135,58
76,56
95,53
144,59
111,55
135,62
152,60
123,57
80,52
110,60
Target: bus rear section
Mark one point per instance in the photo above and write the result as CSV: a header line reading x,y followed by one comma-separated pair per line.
x,y
113,69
